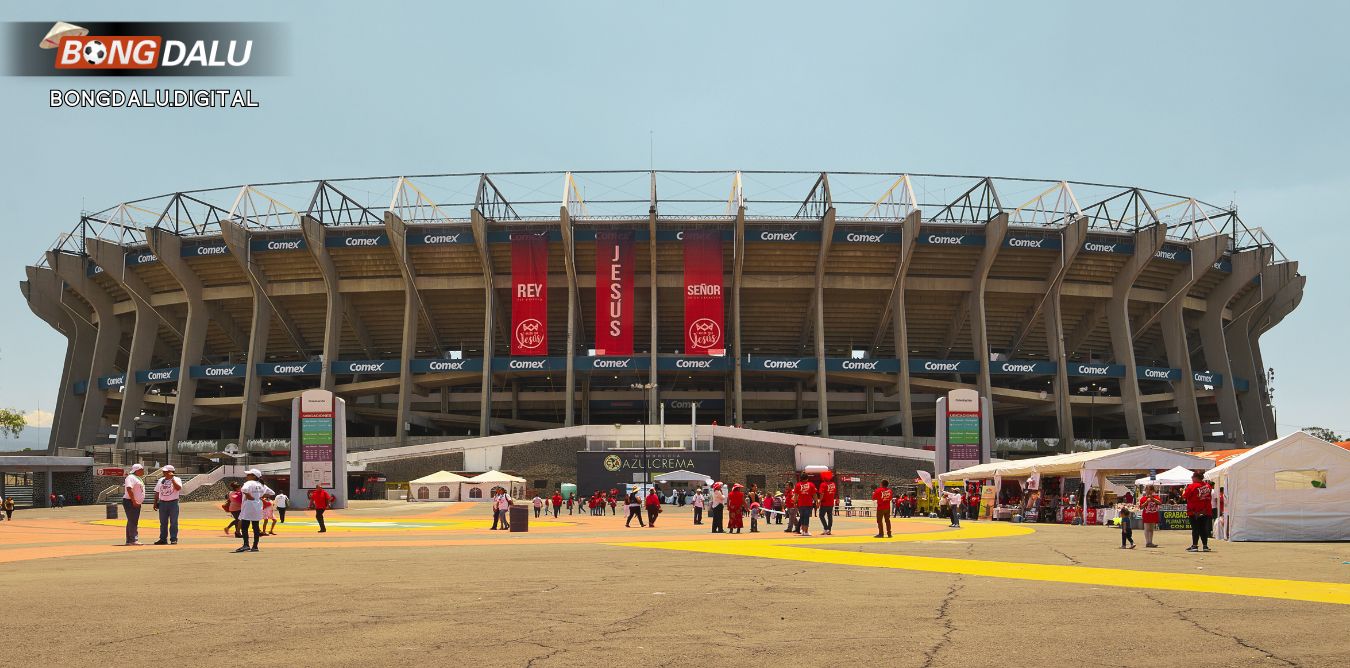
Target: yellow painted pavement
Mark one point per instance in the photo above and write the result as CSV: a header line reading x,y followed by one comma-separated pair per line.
x,y
804,549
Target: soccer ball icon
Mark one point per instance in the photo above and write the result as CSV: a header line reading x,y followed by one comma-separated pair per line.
x,y
95,52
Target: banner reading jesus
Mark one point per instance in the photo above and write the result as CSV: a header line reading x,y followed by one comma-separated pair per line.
x,y
529,294
703,328
614,292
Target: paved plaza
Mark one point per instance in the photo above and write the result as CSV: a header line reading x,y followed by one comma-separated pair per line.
x,y
400,583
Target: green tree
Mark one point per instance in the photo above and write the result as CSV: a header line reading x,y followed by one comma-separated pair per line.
x,y
11,423
1324,434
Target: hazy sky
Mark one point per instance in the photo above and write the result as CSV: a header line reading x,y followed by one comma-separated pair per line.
x,y
1224,101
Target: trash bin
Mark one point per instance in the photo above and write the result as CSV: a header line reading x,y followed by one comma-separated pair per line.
x,y
112,511
520,518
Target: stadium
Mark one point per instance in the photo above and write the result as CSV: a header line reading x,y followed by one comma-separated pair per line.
x,y
835,305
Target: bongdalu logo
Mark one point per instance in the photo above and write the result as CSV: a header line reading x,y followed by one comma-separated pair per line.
x,y
76,49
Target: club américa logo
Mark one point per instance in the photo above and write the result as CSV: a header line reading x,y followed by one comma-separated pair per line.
x,y
613,463
704,333
530,333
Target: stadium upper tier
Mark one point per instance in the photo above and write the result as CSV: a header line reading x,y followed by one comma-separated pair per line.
x,y
840,302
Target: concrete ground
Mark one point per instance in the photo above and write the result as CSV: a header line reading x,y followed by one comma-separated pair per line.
x,y
397,583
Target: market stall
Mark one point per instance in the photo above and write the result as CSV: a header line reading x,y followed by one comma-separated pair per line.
x,y
1071,487
1289,489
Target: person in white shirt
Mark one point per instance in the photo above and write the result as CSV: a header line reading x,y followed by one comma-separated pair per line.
x,y
282,501
954,505
133,495
698,506
166,502
251,508
501,510
538,503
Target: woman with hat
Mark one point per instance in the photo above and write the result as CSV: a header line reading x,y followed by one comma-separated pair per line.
x,y
251,508
719,499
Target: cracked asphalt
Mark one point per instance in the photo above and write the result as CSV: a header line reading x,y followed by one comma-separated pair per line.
x,y
582,600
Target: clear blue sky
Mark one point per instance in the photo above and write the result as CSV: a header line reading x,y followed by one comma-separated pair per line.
x,y
1224,101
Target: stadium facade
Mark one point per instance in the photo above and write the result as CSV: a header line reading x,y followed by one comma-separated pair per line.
x,y
474,304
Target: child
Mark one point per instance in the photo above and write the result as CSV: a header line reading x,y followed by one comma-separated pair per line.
x,y
231,506
754,516
269,515
1126,531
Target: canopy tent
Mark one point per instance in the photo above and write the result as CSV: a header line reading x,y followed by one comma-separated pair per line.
x,y
683,476
1179,476
439,486
479,487
1295,488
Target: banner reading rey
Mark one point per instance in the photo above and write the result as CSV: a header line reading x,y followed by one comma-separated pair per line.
x,y
529,294
703,330
614,292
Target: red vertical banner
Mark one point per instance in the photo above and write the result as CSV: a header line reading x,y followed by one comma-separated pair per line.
x,y
703,312
529,294
614,292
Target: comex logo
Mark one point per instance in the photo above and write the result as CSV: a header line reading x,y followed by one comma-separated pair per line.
x,y
693,364
530,334
1086,370
76,49
1157,373
440,239
159,375
777,236
290,368
864,238
782,364
1025,243
941,366
945,240
211,250
284,245
1018,367
440,365
611,364
222,370
704,333
361,241
527,364
858,365
358,367
1099,247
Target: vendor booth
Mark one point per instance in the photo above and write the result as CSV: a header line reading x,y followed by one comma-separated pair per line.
x,y
479,487
1069,488
1293,488
439,486
1176,477
684,477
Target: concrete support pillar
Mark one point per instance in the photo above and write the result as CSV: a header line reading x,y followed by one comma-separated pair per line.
x,y
1054,337
479,225
397,231
74,269
260,327
1204,253
168,247
1073,236
1146,242
144,333
1278,282
909,238
738,354
43,291
570,262
1246,266
1285,303
822,391
315,238
994,232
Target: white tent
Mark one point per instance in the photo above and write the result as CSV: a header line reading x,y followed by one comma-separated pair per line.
x,y
1295,488
479,487
439,486
683,476
1179,476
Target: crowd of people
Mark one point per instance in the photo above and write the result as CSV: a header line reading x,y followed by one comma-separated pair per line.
x,y
1204,504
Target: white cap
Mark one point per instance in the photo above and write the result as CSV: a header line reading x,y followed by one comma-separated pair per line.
x,y
168,468
253,472
137,467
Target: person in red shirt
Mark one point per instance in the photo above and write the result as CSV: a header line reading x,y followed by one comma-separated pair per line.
x,y
736,508
805,491
790,507
1150,507
320,500
653,507
557,503
828,492
883,495
1198,508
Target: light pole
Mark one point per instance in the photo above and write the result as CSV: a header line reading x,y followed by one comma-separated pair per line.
x,y
646,410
